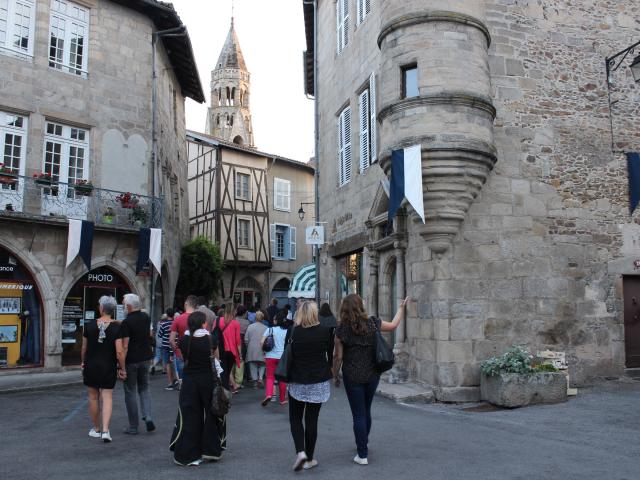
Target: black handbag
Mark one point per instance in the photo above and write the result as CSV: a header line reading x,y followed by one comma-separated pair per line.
x,y
283,370
221,398
384,357
269,342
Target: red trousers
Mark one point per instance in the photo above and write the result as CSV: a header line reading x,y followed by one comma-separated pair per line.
x,y
272,364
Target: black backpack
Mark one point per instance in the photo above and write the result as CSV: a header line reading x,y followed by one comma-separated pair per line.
x,y
217,335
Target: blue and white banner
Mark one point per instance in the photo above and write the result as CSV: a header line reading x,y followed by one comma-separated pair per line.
x,y
633,167
406,181
150,248
80,241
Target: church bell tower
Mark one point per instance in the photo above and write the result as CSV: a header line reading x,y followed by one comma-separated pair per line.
x,y
229,116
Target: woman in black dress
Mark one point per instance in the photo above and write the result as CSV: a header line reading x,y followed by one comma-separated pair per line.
x,y
102,353
198,436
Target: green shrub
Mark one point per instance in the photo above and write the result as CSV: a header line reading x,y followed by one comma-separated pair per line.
x,y
545,367
515,360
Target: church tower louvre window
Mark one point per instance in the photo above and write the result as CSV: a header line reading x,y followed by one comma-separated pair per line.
x,y
230,116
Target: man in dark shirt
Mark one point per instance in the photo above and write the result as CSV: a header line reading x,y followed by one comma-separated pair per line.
x,y
136,340
272,310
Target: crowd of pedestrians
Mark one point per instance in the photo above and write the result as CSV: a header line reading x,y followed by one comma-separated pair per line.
x,y
205,351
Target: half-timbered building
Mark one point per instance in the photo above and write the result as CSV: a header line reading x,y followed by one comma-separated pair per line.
x,y
247,202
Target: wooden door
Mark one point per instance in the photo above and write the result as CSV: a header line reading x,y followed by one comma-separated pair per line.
x,y
631,292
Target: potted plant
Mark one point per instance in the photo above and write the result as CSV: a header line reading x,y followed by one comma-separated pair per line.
x,y
128,200
44,179
108,216
514,380
139,216
83,188
8,176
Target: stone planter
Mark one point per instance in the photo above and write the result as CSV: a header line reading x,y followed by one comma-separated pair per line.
x,y
513,390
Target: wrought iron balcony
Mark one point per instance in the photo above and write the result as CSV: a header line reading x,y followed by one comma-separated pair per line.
x,y
26,197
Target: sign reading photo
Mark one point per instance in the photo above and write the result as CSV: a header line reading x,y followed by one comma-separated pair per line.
x,y
10,305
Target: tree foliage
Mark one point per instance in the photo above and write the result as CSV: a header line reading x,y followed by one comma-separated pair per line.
x,y
200,269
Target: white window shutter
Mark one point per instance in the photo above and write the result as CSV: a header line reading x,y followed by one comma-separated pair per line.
x,y
339,26
366,8
347,144
292,245
276,193
341,148
272,235
373,123
287,195
345,23
359,12
363,118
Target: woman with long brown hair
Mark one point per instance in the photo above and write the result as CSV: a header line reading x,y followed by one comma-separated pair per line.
x,y
229,335
355,343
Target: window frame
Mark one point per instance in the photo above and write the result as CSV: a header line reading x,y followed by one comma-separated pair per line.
x,y
342,25
240,245
64,64
403,80
67,143
7,46
238,194
21,132
280,206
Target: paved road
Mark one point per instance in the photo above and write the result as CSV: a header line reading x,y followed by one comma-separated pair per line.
x,y
595,436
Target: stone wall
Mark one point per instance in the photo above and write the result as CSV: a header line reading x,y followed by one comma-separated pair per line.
x,y
540,252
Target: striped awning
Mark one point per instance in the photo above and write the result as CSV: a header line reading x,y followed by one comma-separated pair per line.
x,y
303,284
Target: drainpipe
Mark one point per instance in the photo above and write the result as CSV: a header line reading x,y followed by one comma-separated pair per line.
x,y
178,31
316,136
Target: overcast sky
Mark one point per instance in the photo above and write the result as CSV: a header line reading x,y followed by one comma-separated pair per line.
x,y
272,41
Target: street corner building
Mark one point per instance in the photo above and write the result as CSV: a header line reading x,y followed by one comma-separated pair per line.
x,y
79,106
527,236
247,201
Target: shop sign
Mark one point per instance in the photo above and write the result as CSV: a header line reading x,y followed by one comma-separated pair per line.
x,y
71,318
6,268
100,277
315,235
15,286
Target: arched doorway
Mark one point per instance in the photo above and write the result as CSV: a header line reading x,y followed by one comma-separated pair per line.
x,y
281,292
81,305
248,292
21,318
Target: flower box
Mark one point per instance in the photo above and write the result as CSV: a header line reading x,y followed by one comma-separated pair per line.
x,y
8,178
83,190
44,182
513,390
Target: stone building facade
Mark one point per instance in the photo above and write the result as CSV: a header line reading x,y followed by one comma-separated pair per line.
x,y
528,238
76,104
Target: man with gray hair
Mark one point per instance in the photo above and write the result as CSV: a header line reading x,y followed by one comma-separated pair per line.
x,y
136,341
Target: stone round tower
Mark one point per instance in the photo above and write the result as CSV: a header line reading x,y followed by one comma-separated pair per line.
x,y
229,116
447,108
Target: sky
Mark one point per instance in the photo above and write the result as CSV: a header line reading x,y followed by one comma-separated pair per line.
x,y
272,41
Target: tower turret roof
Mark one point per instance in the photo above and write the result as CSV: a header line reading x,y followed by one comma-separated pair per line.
x,y
231,54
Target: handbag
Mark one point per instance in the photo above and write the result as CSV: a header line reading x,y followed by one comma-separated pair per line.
x,y
283,370
269,342
221,397
384,358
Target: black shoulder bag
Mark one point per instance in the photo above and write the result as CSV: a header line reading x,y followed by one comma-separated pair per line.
x,y
221,398
283,370
384,358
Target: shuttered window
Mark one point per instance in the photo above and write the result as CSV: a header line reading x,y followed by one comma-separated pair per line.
x,y
363,8
282,194
367,125
292,243
344,146
342,24
283,241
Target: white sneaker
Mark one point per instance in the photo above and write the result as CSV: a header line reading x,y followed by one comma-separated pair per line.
x,y
106,437
195,463
360,461
93,433
310,465
300,461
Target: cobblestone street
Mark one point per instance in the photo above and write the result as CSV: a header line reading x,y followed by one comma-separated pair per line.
x,y
593,436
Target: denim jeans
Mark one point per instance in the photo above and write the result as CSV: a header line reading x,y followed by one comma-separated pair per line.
x,y
360,397
137,385
179,361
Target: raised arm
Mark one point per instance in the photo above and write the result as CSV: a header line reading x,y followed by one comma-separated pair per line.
x,y
393,324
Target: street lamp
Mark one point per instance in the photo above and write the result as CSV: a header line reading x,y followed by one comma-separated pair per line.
x,y
301,211
614,62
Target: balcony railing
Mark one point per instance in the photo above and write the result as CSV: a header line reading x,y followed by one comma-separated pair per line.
x,y
29,197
